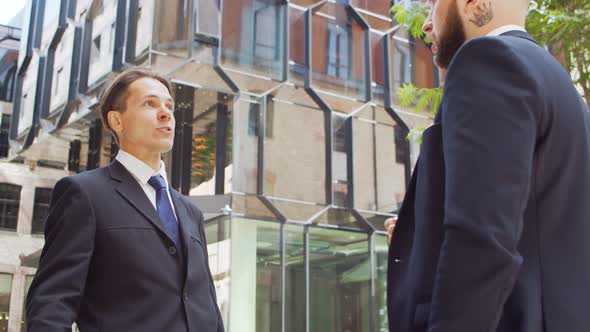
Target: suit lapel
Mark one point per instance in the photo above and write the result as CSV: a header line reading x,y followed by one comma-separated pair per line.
x,y
134,194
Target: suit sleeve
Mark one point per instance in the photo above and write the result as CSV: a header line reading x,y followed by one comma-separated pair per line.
x,y
489,135
56,292
201,220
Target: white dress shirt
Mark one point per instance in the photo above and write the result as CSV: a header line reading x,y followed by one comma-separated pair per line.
x,y
142,173
504,29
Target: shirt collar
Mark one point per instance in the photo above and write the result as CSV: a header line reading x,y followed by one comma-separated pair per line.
x,y
140,170
504,29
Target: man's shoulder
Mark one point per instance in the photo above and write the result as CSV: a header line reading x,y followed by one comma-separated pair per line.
x,y
87,179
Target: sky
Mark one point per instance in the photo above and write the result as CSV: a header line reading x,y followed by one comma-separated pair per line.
x,y
9,9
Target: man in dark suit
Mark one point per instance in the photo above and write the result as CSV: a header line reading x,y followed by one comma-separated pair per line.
x,y
123,251
493,233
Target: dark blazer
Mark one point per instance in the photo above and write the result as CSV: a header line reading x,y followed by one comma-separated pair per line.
x,y
493,233
109,265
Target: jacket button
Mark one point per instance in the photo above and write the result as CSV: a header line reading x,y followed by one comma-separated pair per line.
x,y
185,296
172,250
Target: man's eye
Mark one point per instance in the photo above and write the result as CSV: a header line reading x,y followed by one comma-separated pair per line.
x,y
149,103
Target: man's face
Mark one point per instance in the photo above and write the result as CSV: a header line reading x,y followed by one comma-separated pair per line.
x,y
147,124
445,30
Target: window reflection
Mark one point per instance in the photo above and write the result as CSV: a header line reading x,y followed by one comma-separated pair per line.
x,y
253,40
381,248
256,283
339,271
171,27
5,291
338,49
246,125
211,125
294,278
28,281
295,155
9,206
380,152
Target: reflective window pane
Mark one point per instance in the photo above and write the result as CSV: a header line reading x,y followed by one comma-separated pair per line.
x,y
338,51
211,125
297,68
28,96
5,290
377,220
380,151
294,278
339,271
377,13
340,153
340,217
252,207
295,147
217,234
296,211
378,86
245,136
205,44
253,42
381,249
41,209
256,283
171,31
9,206
102,40
28,281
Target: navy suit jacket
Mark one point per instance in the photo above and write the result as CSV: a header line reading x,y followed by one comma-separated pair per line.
x,y
493,233
109,265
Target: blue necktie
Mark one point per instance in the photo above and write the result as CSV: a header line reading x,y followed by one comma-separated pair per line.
x,y
164,207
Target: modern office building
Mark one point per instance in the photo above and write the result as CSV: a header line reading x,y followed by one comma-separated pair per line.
x,y
289,136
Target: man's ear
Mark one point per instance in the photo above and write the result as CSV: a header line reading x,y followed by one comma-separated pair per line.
x,y
115,121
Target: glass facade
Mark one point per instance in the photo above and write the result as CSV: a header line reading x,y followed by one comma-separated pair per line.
x,y
5,292
289,136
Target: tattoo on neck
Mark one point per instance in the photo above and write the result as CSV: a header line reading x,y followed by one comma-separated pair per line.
x,y
483,14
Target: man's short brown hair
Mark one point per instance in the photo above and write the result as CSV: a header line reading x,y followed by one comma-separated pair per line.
x,y
114,95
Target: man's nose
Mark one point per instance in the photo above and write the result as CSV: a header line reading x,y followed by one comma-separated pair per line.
x,y
165,114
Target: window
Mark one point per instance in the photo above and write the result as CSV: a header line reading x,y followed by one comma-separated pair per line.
x,y
339,50
9,206
4,132
5,290
57,80
28,281
266,17
41,209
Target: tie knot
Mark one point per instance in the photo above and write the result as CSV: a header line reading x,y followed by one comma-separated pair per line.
x,y
157,182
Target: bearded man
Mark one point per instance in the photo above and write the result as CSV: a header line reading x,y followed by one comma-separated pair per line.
x,y
493,232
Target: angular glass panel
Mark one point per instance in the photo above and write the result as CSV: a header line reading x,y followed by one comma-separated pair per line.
x,y
339,280
377,13
376,220
297,211
28,281
206,17
340,217
294,147
62,68
166,64
50,20
256,278
5,290
211,117
102,41
253,43
380,151
217,234
171,27
381,248
340,103
245,137
340,150
252,207
294,278
411,62
378,87
297,68
28,96
338,51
